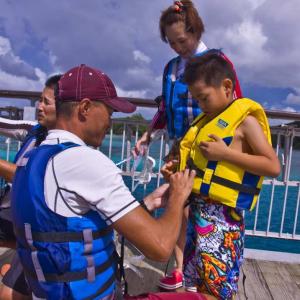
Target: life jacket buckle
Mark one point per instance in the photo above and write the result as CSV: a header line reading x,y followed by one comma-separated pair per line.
x,y
207,176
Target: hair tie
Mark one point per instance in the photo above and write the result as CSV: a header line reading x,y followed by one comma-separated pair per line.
x,y
178,6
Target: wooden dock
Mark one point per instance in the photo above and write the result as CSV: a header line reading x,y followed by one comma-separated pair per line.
x,y
264,279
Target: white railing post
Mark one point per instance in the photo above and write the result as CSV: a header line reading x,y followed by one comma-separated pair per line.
x,y
296,212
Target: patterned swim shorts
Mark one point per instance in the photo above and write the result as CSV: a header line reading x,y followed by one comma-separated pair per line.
x,y
214,249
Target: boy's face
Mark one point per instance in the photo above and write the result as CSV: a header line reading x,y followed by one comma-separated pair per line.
x,y
212,100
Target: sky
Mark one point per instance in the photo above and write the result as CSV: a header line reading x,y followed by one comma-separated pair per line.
x,y
39,38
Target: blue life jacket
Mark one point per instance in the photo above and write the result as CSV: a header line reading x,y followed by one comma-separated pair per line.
x,y
181,109
34,137
63,257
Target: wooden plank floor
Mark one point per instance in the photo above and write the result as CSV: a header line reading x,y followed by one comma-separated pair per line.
x,y
270,280
264,279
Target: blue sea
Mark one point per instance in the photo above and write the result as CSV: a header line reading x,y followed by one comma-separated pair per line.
x,y
272,244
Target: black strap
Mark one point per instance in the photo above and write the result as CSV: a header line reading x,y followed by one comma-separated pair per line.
x,y
122,269
223,181
74,276
235,186
63,237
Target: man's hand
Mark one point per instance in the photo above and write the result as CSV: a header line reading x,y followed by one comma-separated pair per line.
x,y
157,198
181,184
168,169
214,150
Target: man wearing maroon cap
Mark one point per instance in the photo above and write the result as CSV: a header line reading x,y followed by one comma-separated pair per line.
x,y
73,196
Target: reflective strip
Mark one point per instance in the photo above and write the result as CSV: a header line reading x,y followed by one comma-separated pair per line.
x,y
91,274
174,71
88,240
22,161
190,108
88,248
37,267
34,253
28,235
30,146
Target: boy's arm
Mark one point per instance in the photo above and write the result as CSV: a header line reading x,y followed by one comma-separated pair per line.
x,y
262,161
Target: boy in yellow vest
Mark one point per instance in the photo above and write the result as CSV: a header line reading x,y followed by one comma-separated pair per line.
x,y
229,146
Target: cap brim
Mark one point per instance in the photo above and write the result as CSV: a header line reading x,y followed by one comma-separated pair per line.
x,y
120,104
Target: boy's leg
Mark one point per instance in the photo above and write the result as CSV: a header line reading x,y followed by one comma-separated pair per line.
x,y
217,234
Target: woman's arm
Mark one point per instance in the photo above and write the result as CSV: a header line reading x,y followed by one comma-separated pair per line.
x,y
16,129
7,170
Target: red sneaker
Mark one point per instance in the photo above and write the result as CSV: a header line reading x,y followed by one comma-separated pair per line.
x,y
171,282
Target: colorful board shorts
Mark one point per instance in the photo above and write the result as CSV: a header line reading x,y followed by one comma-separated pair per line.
x,y
214,249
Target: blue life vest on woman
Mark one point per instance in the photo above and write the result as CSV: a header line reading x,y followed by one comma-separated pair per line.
x,y
34,137
63,257
181,109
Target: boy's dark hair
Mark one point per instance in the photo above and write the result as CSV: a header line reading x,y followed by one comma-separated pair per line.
x,y
187,13
52,81
211,67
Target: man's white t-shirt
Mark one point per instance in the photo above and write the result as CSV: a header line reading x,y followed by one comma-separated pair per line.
x,y
81,178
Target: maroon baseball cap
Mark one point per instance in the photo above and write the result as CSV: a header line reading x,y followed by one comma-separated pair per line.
x,y
86,82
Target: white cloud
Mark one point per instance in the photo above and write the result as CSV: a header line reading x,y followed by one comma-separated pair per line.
x,y
247,41
256,3
140,56
5,46
132,93
293,99
13,82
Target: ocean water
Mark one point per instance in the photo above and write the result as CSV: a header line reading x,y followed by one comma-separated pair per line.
x,y
264,203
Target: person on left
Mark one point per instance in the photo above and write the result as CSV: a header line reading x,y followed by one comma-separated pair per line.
x,y
73,196
31,134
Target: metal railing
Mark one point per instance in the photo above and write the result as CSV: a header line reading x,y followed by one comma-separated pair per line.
x,y
277,212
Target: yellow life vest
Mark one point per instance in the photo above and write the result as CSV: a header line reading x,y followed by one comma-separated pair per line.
x,y
219,180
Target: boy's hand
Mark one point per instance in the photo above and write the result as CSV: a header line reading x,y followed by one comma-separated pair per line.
x,y
181,184
168,169
214,150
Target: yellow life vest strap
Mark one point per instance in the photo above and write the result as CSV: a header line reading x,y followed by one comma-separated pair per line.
x,y
223,181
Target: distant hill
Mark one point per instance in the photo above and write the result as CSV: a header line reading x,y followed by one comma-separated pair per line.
x,y
118,128
296,144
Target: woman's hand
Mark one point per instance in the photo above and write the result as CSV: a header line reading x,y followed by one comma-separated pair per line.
x,y
139,147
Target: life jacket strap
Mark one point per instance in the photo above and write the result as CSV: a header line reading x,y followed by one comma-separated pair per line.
x,y
209,177
78,275
34,254
63,237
